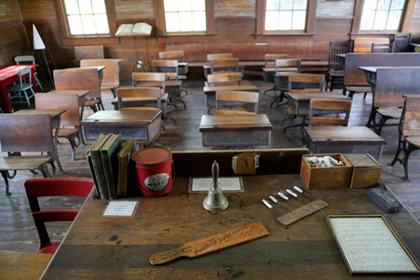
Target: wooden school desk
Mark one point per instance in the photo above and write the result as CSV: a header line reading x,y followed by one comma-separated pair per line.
x,y
119,248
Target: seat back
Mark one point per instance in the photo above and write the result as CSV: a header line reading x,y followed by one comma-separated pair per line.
x,y
172,55
270,59
147,79
226,64
78,79
147,93
169,67
24,59
234,98
53,187
224,79
381,48
69,102
25,77
329,112
306,81
89,52
401,42
338,47
111,74
216,56
288,65
411,115
26,133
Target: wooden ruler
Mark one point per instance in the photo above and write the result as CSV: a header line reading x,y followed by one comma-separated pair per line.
x,y
302,212
211,243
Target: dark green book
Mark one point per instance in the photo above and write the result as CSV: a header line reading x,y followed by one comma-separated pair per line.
x,y
109,156
98,170
124,158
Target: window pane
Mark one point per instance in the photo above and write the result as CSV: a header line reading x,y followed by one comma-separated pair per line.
x,y
393,20
300,5
198,5
172,22
370,5
85,7
185,21
380,20
285,22
299,19
101,23
72,8
286,5
367,20
384,4
75,25
170,5
184,5
88,22
271,20
397,4
199,21
272,5
99,6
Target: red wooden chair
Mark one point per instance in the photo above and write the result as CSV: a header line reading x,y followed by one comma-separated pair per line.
x,y
54,187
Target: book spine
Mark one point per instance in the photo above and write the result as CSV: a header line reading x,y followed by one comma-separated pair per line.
x,y
109,178
99,174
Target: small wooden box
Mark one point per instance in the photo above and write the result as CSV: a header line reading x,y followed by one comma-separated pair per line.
x,y
326,177
366,171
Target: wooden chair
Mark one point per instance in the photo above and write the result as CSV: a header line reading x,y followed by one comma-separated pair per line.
x,y
335,73
381,48
176,55
410,129
81,79
111,74
70,120
233,98
223,79
401,42
270,67
21,88
25,133
52,187
88,52
28,59
284,68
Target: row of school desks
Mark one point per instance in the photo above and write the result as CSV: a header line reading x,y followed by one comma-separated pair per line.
x,y
119,248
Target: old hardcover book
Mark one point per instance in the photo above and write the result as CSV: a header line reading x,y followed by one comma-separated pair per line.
x,y
109,153
124,159
97,169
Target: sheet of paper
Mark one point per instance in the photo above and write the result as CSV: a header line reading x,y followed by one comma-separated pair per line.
x,y
120,209
227,184
369,245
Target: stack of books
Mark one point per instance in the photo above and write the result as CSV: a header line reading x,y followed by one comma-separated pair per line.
x,y
111,166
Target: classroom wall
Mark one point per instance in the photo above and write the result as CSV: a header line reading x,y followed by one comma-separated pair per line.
x,y
235,22
12,33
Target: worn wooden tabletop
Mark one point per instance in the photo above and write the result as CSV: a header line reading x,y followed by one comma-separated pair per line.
x,y
22,265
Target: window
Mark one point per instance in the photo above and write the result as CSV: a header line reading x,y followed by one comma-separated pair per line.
x,y
285,16
184,16
381,15
86,17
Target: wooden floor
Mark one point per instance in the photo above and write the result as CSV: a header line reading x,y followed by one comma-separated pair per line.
x,y
16,225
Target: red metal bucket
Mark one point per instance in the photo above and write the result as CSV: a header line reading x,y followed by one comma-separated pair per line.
x,y
154,170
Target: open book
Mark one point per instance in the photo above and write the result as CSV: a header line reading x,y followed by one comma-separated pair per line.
x,y
138,29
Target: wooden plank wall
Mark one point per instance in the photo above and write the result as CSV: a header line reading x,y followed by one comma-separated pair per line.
x,y
12,33
235,32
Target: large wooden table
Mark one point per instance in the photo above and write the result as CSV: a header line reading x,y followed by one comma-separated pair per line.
x,y
22,265
119,248
143,126
235,131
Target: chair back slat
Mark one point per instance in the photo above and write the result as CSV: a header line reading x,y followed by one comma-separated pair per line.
x,y
288,65
147,78
170,55
224,64
78,79
216,56
24,58
304,81
61,101
224,79
411,116
237,97
321,109
146,93
111,73
26,133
